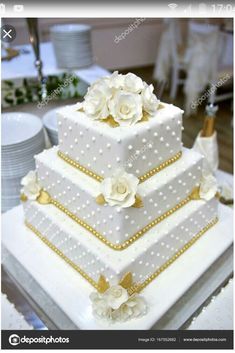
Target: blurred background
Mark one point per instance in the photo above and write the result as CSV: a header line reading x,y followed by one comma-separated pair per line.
x,y
50,62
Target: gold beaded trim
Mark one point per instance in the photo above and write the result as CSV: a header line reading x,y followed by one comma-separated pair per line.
x,y
140,286
99,178
45,196
136,288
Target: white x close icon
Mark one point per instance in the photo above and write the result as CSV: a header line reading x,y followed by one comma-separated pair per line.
x,y
7,33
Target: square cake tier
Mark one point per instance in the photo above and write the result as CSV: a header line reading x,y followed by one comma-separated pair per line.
x,y
102,149
145,259
76,194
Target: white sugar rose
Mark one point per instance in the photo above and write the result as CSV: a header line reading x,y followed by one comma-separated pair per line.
x,y
116,305
133,83
116,80
149,99
126,108
100,306
120,189
116,296
208,187
134,307
95,101
31,188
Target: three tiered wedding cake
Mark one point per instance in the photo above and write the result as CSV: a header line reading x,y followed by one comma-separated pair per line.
x,y
119,199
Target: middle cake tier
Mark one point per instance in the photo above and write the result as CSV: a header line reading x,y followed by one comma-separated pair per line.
x,y
75,194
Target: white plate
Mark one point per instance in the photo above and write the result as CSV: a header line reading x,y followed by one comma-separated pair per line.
x,y
70,28
50,120
19,127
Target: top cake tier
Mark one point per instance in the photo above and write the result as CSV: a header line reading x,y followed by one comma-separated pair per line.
x,y
99,149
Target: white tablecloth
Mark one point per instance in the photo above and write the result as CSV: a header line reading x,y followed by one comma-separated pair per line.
x,y
218,314
22,66
11,318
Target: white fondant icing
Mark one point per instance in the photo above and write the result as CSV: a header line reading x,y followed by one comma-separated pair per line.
x,y
142,258
120,142
51,168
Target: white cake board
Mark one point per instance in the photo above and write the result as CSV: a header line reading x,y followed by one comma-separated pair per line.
x,y
66,289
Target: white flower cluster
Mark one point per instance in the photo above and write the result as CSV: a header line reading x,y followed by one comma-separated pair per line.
x,y
115,304
31,188
208,187
120,189
124,97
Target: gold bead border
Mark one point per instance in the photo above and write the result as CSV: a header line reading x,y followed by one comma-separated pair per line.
x,y
128,242
99,178
138,287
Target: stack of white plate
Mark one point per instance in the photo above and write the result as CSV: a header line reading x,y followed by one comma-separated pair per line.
x,y
22,138
72,45
50,124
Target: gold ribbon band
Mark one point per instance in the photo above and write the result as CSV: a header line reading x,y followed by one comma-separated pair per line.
x,y
99,178
136,287
44,198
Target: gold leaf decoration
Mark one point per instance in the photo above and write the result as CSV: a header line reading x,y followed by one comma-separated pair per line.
x,y
44,198
110,121
195,194
138,202
103,284
145,117
23,198
160,106
127,281
218,195
100,199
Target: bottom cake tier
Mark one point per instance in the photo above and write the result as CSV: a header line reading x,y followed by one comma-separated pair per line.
x,y
145,259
